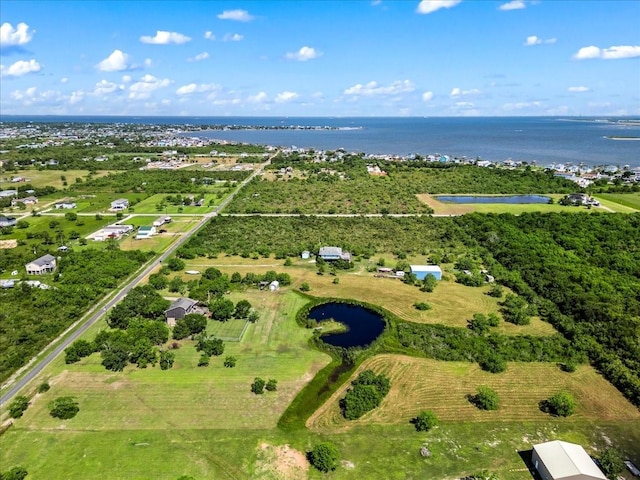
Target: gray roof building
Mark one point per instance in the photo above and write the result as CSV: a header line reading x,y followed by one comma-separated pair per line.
x,y
179,309
560,460
44,264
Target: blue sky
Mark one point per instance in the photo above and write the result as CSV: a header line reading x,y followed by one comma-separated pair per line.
x,y
320,58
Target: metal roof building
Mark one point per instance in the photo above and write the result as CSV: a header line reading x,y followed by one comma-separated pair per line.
x,y
560,460
421,271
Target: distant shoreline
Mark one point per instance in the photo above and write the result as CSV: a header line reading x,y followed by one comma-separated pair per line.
x,y
622,138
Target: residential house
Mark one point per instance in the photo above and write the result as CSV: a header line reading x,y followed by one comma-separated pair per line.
x,y
178,309
161,221
558,460
65,205
8,193
119,204
333,253
145,232
42,265
25,200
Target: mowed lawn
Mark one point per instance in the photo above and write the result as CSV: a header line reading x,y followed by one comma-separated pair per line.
x,y
452,303
42,178
629,200
423,384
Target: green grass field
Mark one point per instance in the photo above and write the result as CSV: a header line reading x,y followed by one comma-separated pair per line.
x,y
41,178
629,200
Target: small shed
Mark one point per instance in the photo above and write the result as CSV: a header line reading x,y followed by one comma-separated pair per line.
x,y
560,460
305,255
275,285
421,271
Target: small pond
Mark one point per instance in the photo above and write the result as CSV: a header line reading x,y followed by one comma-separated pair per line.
x,y
492,198
363,325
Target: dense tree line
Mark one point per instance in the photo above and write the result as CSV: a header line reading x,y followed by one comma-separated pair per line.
x,y
32,317
366,392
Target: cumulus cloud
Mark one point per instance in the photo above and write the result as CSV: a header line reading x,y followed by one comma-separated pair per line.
x,y
103,87
165,38
305,53
457,92
535,40
31,96
522,105
426,96
198,88
286,96
429,6
611,53
126,78
237,15
372,88
258,98
578,89
20,68
199,57
116,62
64,80
232,37
142,88
12,37
513,5
209,35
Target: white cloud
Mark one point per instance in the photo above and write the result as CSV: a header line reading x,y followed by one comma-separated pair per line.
x,y
372,88
237,15
126,78
611,53
31,96
534,40
20,68
457,92
147,62
104,87
258,98
21,95
116,62
195,88
426,96
513,5
304,54
429,6
199,57
522,105
165,38
76,97
209,35
286,97
232,37
578,89
64,80
142,89
11,37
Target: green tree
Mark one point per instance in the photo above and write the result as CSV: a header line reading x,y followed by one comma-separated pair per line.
x,y
479,324
272,385
611,463
324,456
257,386
230,361
221,309
64,408
166,359
253,316
425,421
305,287
18,406
158,281
243,308
561,404
485,398
43,387
429,283
209,345
175,264
493,363
204,360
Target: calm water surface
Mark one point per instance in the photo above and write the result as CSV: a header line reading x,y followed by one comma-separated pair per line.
x,y
363,325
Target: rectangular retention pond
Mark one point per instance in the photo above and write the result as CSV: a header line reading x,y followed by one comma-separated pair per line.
x,y
514,199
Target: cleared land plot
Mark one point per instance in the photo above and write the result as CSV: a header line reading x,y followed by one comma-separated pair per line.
x,y
442,208
160,241
423,384
150,205
42,178
215,397
621,200
452,303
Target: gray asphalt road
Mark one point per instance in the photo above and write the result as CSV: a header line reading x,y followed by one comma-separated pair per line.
x,y
39,366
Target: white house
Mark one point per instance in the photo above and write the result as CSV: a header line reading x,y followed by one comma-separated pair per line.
x,y
161,221
119,204
44,264
145,232
560,460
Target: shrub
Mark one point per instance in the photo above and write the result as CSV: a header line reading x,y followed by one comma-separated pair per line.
x,y
18,406
611,463
305,287
425,421
64,408
272,385
43,387
166,360
561,404
365,394
324,457
230,361
422,306
485,398
257,386
204,360
493,363
16,473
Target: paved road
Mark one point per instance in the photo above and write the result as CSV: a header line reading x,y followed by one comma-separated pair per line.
x,y
39,366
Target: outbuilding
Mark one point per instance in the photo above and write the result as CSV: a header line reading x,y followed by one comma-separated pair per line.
x,y
275,285
119,204
145,232
558,460
306,254
421,271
